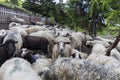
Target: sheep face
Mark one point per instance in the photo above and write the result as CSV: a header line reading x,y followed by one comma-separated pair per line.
x,y
61,47
10,47
23,52
76,55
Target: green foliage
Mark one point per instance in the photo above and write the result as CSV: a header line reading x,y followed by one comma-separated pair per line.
x,y
14,6
45,7
93,16
15,2
114,17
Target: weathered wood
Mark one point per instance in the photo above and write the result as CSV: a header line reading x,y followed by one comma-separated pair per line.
x,y
6,13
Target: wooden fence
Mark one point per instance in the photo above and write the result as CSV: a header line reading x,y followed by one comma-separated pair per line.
x,y
7,12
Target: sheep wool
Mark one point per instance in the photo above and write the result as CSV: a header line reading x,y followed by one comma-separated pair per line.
x,y
76,69
17,69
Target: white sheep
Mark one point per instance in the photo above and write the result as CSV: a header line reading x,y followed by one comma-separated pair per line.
x,y
76,69
44,34
98,56
118,47
15,36
14,24
99,47
41,66
18,69
115,53
34,29
77,38
78,54
62,47
21,30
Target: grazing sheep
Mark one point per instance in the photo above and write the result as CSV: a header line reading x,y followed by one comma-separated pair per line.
x,y
16,37
62,47
18,69
41,66
78,54
76,69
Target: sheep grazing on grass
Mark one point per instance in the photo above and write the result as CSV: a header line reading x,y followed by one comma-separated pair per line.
x,y
76,69
18,69
62,47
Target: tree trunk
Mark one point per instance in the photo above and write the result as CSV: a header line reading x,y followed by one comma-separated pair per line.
x,y
94,28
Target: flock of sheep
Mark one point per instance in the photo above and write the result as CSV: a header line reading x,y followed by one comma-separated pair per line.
x,y
43,52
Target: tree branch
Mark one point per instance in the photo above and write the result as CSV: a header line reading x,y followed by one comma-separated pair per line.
x,y
113,45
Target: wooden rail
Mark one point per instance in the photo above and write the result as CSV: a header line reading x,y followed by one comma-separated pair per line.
x,y
6,13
